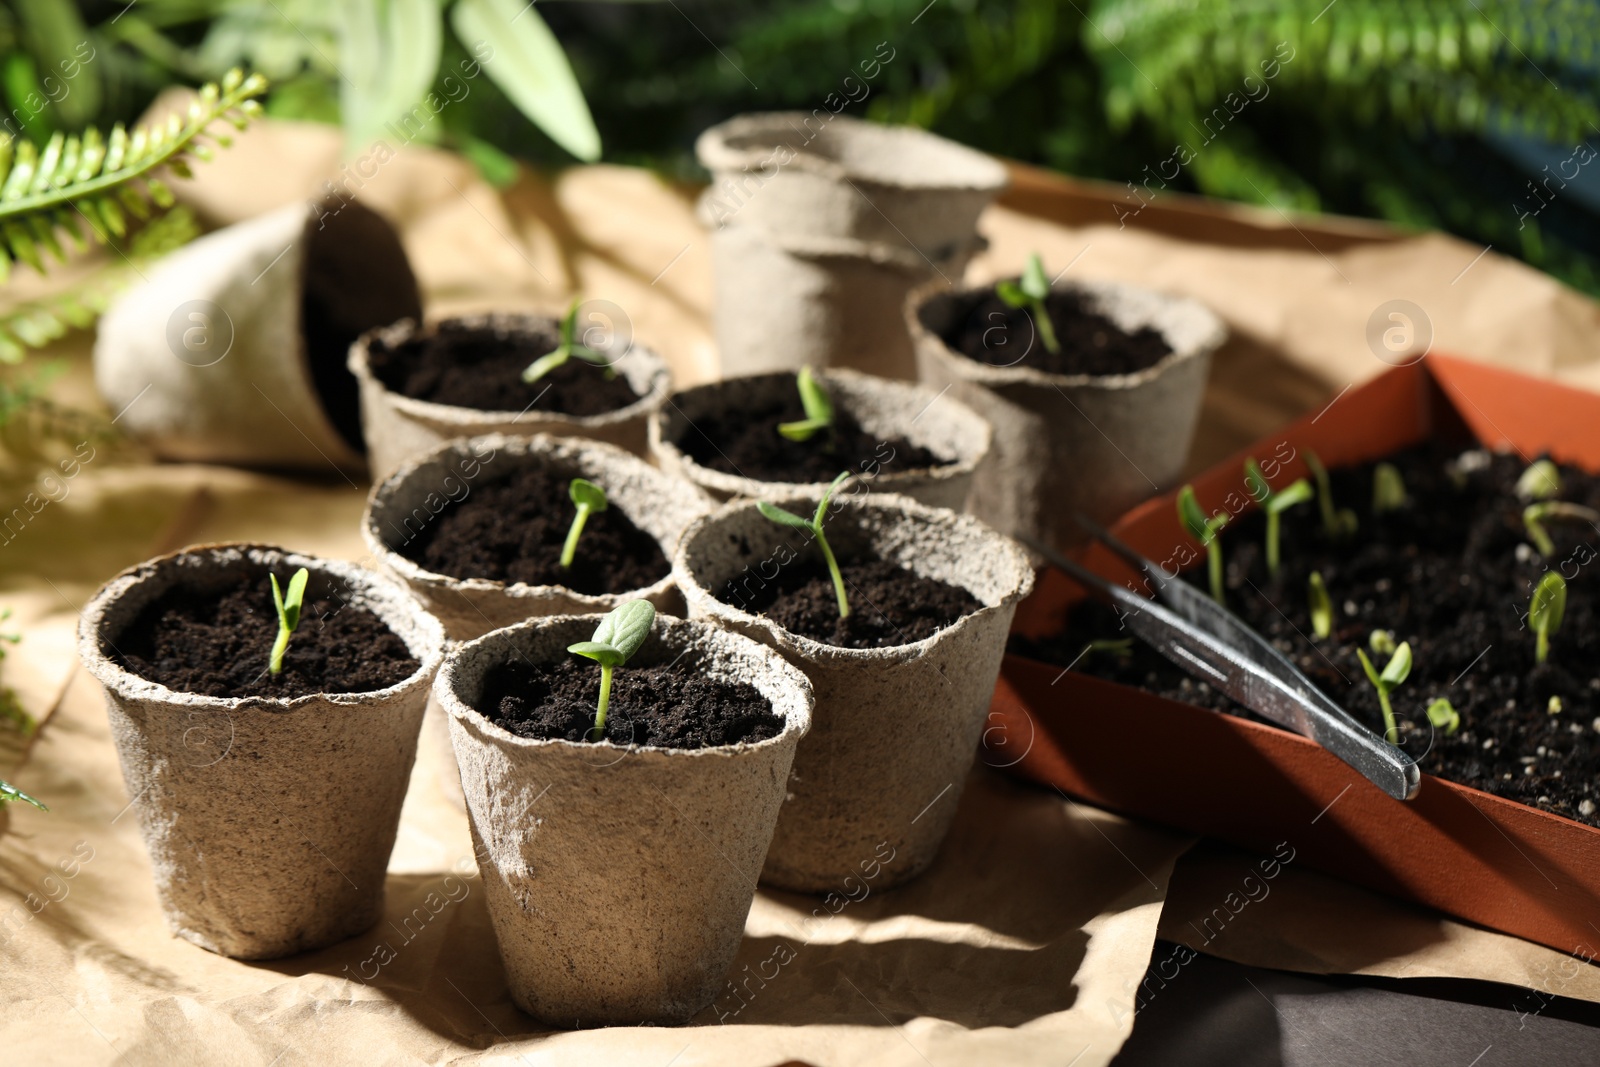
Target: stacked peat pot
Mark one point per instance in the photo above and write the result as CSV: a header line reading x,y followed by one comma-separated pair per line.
x,y
821,224
1096,426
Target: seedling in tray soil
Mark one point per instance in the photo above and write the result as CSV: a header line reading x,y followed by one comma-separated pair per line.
x,y
569,347
1388,489
616,639
1337,522
789,518
1544,613
590,498
1541,481
1320,606
288,614
1386,682
1274,504
818,408
1030,293
1444,716
1204,528
1534,516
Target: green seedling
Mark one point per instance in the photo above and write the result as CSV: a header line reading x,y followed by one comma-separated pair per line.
x,y
1338,522
1541,481
1381,642
1444,716
818,408
1386,682
9,793
1534,516
1321,606
288,614
789,518
1204,528
615,640
1553,706
590,498
1117,647
569,348
1388,489
1549,604
1274,504
1030,292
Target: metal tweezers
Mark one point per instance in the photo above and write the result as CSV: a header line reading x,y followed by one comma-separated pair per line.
x,y
1216,646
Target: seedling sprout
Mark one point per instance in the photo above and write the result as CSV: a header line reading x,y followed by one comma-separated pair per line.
x,y
1338,522
590,498
789,518
1386,682
569,347
288,614
1274,504
1444,716
1388,489
1030,292
1321,606
615,640
1534,516
1553,706
1204,528
818,408
1381,642
1544,613
9,793
1541,481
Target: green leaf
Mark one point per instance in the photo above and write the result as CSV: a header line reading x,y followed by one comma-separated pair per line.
x,y
1011,293
1035,283
1381,642
9,793
1388,489
626,627
530,67
388,56
1297,492
292,603
1444,716
1541,481
602,653
586,494
1549,603
1372,672
1398,668
813,398
782,517
1194,520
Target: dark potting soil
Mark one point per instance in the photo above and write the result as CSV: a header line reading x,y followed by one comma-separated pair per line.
x,y
746,442
1452,573
670,707
220,646
512,531
889,605
476,368
998,334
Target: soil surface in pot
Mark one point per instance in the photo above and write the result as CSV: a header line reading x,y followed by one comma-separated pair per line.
x,y
746,443
889,605
1452,572
513,530
1000,335
219,645
477,368
669,707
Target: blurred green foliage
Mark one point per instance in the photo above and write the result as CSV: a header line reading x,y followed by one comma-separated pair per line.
x,y
1423,112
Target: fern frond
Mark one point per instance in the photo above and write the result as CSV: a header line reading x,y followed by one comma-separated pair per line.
x,y
95,182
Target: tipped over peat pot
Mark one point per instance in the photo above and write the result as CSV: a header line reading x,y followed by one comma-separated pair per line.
x,y
269,818
724,438
1093,429
821,224
618,876
1483,858
234,348
897,719
424,385
475,527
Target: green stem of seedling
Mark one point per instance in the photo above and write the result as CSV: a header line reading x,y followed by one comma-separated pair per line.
x,y
279,647
1214,569
570,548
1047,332
599,732
833,569
1390,730
1272,541
1541,647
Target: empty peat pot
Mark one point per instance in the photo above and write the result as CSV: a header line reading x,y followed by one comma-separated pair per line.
x,y
896,728
422,509
424,385
269,820
1097,442
724,438
618,877
821,224
234,348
